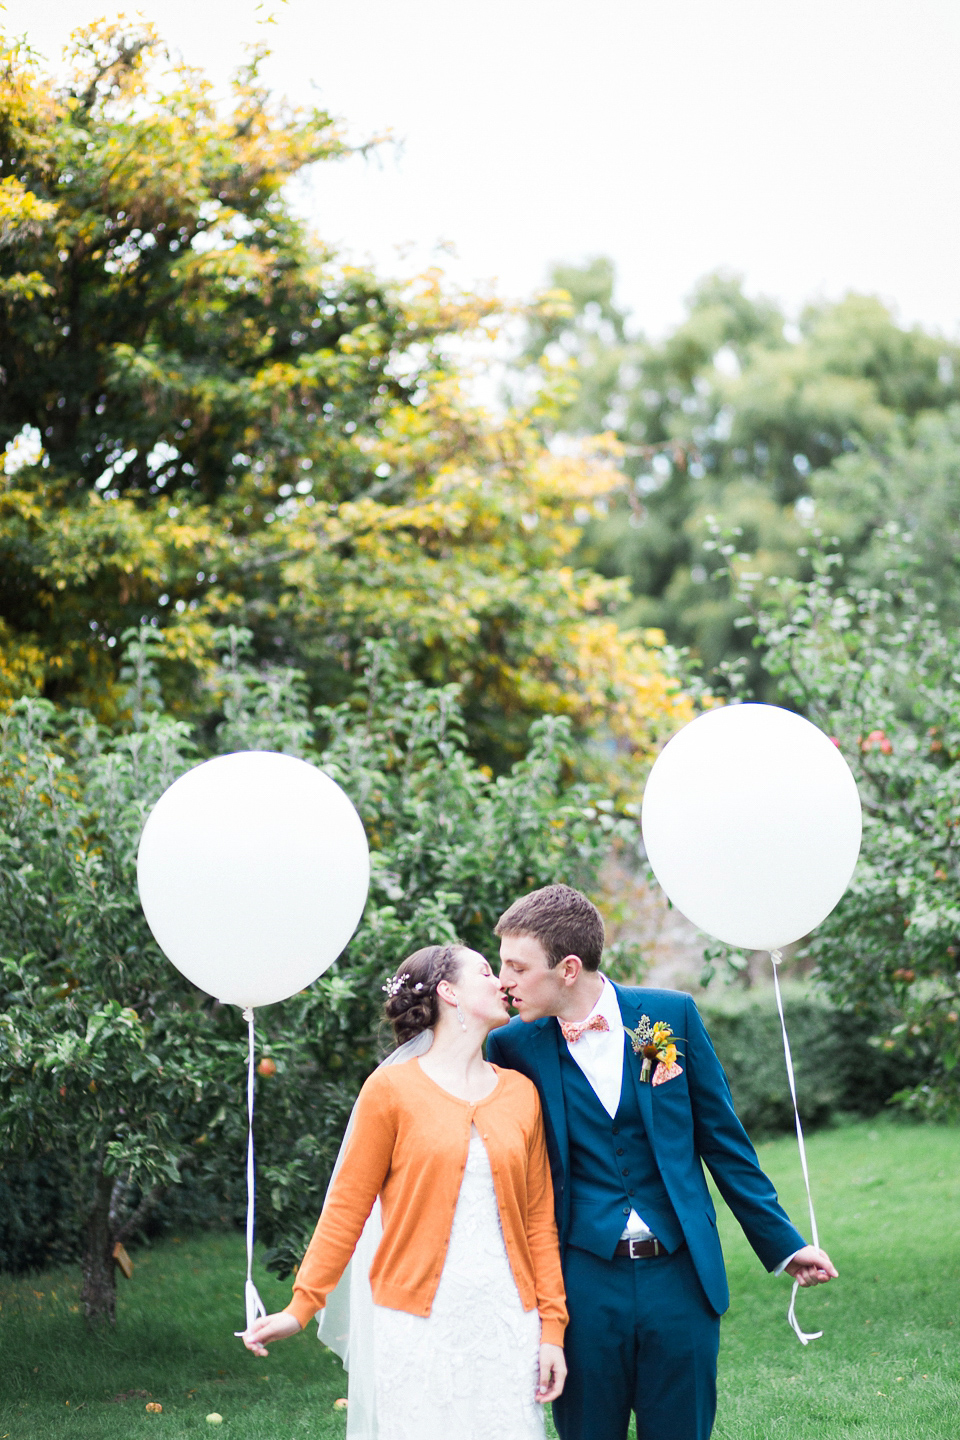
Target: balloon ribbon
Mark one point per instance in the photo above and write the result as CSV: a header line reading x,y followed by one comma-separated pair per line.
x,y
804,1337
254,1305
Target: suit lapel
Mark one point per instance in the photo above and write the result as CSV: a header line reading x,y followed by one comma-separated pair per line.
x,y
547,1059
630,1011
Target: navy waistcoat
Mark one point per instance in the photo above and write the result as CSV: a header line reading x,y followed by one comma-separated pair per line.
x,y
612,1166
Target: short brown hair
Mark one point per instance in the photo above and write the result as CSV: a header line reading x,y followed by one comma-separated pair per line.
x,y
561,919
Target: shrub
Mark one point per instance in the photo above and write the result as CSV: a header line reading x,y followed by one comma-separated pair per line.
x,y
838,1072
114,1067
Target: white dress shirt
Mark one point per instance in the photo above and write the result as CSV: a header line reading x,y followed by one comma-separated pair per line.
x,y
599,1053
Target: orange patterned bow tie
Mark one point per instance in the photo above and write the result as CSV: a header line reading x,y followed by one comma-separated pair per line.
x,y
572,1029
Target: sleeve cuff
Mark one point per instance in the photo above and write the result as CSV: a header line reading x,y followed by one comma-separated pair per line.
x,y
551,1332
784,1263
303,1310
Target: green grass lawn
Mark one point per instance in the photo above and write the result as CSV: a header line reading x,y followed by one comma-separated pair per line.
x,y
887,1368
888,1365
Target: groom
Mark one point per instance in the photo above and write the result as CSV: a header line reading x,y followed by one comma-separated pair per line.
x,y
638,1232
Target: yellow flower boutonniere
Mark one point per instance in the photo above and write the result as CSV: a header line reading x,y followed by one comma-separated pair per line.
x,y
656,1043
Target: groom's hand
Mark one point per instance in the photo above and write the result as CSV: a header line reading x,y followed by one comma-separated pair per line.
x,y
811,1266
553,1372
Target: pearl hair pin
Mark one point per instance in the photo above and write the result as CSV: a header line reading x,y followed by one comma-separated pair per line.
x,y
397,982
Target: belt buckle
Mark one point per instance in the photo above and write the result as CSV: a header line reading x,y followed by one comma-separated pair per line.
x,y
635,1254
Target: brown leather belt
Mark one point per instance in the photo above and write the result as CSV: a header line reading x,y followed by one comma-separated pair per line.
x,y
640,1249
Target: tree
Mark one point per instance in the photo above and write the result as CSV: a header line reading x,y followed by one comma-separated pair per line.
x,y
103,1057
739,415
908,488
150,256
876,668
213,422
113,1062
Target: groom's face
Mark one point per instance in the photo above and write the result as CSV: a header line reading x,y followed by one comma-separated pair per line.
x,y
533,987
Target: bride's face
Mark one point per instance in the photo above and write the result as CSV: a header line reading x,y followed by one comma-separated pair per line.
x,y
479,993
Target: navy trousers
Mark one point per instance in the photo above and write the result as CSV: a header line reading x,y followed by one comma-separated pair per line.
x,y
641,1337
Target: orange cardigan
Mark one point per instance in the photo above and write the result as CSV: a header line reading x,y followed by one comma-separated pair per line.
x,y
409,1146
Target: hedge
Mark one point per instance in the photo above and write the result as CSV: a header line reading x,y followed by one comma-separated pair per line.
x,y
838,1072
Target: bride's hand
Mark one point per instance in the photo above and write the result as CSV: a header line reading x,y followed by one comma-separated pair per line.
x,y
275,1327
553,1372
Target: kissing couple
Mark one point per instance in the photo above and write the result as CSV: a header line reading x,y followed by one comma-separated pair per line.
x,y
539,1221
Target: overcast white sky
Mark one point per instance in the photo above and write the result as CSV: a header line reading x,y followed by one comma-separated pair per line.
x,y
813,145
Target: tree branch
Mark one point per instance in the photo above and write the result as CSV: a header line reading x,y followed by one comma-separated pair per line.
x,y
142,1211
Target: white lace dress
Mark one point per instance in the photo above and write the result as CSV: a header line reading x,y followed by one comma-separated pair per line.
x,y
468,1370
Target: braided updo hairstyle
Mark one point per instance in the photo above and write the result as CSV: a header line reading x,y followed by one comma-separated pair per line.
x,y
412,1003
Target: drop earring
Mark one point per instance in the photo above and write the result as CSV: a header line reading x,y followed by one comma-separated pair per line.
x,y
463,1023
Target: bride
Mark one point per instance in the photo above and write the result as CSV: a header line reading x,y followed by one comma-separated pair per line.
x,y
468,1301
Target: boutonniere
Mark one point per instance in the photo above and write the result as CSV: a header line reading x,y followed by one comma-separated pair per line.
x,y
658,1046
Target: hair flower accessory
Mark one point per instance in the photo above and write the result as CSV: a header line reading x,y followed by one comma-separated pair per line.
x,y
658,1046
396,983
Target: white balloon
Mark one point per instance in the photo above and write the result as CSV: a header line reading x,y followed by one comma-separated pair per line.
x,y
752,823
253,872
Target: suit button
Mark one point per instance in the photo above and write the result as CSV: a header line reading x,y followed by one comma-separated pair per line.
x,y
626,1172
620,1150
629,1192
626,1209
616,1129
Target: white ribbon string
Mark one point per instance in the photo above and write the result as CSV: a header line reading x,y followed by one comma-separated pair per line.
x,y
804,1337
253,1304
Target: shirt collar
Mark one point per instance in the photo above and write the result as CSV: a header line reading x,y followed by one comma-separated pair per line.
x,y
608,1006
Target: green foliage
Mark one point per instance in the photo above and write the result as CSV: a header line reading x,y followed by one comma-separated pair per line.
x,y
164,265
211,421
877,669
839,1073
109,1057
37,1222
908,488
738,415
108,1065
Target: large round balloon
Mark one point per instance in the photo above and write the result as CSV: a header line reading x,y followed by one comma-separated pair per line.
x,y
751,821
253,872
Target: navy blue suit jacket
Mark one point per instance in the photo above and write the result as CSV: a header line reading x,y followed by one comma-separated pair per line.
x,y
689,1119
